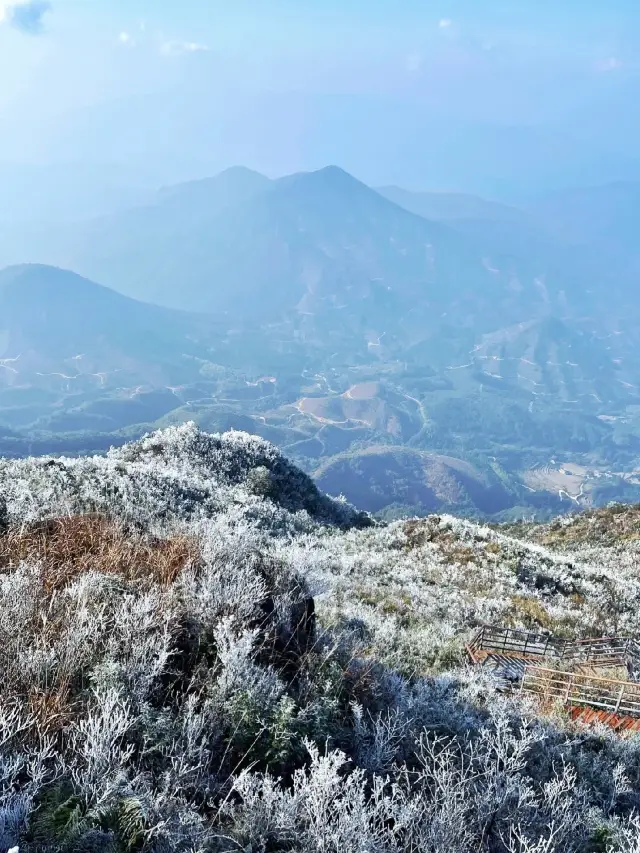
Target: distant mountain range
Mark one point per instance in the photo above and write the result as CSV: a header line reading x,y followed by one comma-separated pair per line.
x,y
57,328
602,224
321,255
412,142
452,207
67,192
472,353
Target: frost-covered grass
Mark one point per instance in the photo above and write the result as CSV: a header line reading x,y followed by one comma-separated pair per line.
x,y
200,652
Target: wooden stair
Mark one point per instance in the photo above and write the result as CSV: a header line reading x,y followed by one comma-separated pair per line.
x,y
595,679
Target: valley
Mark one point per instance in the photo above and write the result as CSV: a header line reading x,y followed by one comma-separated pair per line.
x,y
319,427
389,444
415,352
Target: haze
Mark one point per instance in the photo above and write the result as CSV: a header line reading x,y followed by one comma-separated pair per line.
x,y
501,98
398,241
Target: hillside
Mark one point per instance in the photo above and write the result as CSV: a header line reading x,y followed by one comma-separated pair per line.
x,y
57,327
601,223
530,233
201,651
306,248
603,214
341,321
417,481
452,207
549,358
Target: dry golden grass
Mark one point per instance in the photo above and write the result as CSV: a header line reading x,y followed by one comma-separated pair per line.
x,y
417,532
64,548
608,526
528,611
70,546
53,709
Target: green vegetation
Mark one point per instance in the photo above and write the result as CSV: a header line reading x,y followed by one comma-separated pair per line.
x,y
491,373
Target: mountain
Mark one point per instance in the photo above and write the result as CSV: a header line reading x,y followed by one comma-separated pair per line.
x,y
319,252
407,362
57,327
604,214
420,480
212,195
601,221
45,234
505,230
451,207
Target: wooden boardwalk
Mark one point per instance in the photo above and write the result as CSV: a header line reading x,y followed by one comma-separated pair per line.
x,y
583,675
600,652
506,670
591,716
516,643
621,698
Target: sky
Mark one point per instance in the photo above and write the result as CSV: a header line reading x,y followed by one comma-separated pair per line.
x,y
186,87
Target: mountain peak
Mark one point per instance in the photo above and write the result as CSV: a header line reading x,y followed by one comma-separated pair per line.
x,y
335,173
240,172
45,280
236,183
31,294
329,179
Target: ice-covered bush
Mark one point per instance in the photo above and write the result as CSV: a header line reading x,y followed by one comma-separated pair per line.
x,y
200,652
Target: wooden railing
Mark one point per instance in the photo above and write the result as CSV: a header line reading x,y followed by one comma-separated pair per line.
x,y
633,657
599,652
523,643
603,651
540,653
618,697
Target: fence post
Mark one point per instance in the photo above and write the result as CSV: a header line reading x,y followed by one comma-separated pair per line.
x,y
524,676
569,686
620,695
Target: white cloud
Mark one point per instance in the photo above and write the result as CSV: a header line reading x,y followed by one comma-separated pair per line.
x,y
179,48
126,39
445,23
142,38
24,15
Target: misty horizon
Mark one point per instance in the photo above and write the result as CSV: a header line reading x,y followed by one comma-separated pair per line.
x,y
398,241
443,96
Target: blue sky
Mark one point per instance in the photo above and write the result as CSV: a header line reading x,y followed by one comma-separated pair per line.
x,y
400,38
561,66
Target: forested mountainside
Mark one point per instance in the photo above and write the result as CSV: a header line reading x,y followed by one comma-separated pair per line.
x,y
417,352
201,651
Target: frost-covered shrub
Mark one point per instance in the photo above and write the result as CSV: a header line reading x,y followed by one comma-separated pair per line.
x,y
177,474
200,652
